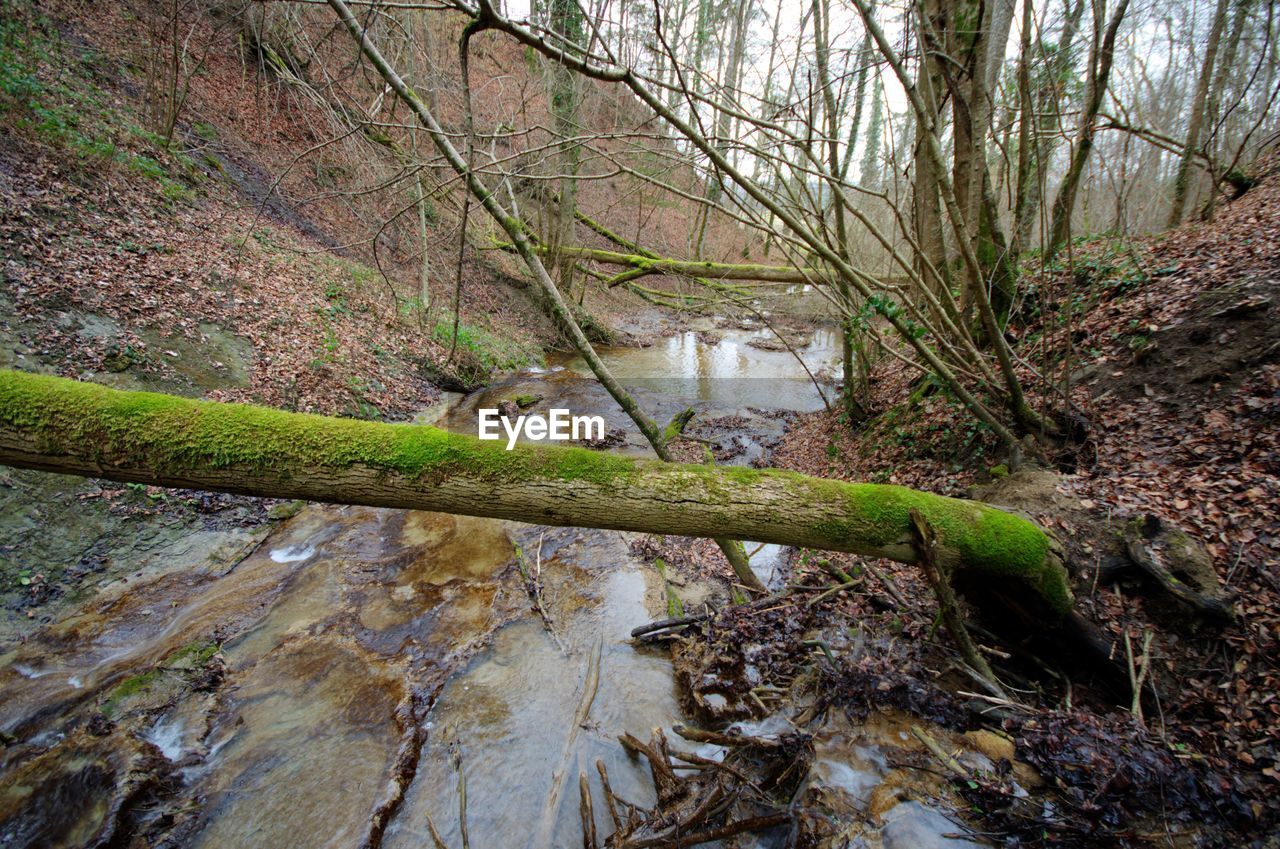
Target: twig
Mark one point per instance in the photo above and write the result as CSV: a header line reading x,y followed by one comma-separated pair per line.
x,y
995,700
710,763
533,588
698,735
1138,671
890,587
588,815
462,801
590,686
609,798
666,624
827,593
826,650
665,780
940,753
927,544
435,835
727,830
836,572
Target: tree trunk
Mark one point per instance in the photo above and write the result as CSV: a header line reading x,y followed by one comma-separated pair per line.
x,y
687,267
870,174
1041,115
1182,179
821,35
925,206
1099,78
59,425
567,22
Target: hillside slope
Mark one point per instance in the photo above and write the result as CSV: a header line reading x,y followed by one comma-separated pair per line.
x,y
1175,370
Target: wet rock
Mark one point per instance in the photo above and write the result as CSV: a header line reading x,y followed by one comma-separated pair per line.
x,y
76,793
912,825
305,744
991,744
285,510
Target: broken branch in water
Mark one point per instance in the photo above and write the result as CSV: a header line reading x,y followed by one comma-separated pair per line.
x,y
698,735
652,629
699,797
664,777
590,686
462,797
941,754
435,835
589,840
610,799
728,830
533,588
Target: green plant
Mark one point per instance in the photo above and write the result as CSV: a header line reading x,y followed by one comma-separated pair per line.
x,y
484,352
71,111
204,130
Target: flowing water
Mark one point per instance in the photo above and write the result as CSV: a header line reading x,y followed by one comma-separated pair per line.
x,y
380,665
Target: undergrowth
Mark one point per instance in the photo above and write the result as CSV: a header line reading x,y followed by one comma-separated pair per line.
x,y
53,91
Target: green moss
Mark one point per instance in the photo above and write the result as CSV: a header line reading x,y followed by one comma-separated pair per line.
x,y
285,510
986,539
186,659
130,687
192,656
133,685
167,433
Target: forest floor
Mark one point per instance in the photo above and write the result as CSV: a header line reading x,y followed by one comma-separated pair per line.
x,y
1176,373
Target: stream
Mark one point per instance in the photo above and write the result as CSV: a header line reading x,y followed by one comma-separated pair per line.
x,y
379,664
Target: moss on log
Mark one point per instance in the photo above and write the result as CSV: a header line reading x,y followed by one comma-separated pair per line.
x,y
651,264
60,425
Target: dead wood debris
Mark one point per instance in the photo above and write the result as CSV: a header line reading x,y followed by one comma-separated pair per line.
x,y
699,799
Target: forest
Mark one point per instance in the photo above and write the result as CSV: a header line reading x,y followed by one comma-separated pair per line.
x,y
639,423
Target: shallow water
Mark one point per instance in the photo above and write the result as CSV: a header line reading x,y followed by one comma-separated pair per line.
x,y
527,716
714,370
723,369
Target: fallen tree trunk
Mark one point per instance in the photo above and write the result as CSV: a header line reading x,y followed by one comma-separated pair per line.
x,y
60,425
650,264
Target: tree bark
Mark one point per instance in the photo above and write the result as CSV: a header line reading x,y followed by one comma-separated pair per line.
x,y
1199,103
1041,114
1099,78
651,264
58,425
926,206
567,22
